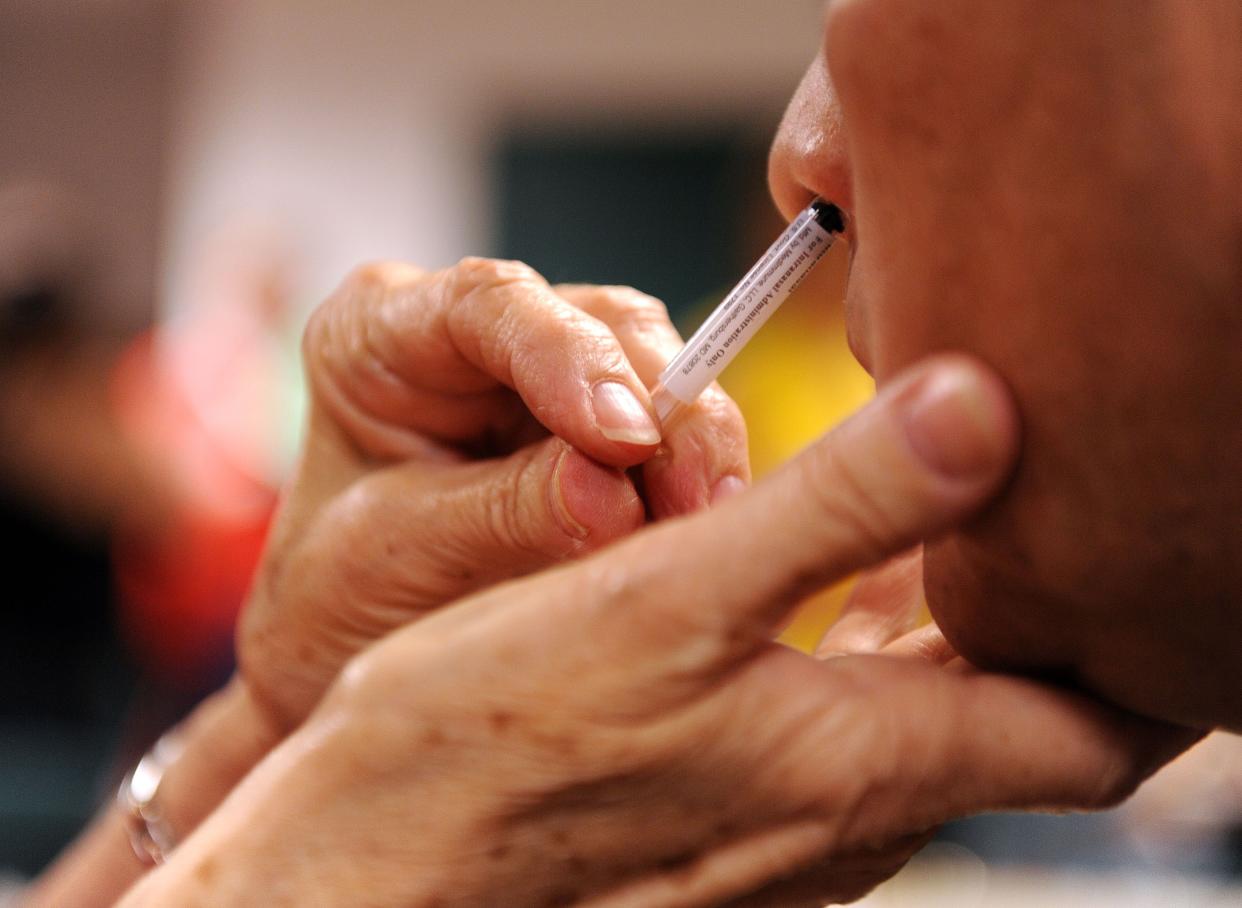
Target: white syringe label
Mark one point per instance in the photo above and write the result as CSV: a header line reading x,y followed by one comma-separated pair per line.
x,y
746,308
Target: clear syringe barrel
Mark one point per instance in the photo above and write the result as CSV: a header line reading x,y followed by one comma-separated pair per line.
x,y
747,307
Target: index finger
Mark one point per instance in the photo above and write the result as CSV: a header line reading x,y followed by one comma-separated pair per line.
x,y
703,457
397,351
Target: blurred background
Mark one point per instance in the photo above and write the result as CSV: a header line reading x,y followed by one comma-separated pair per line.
x,y
180,183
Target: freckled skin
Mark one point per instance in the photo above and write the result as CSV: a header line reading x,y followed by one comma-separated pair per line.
x,y
499,851
453,444
615,731
662,751
205,871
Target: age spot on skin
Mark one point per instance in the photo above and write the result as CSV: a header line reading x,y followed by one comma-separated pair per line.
x,y
677,862
205,872
499,851
500,721
562,898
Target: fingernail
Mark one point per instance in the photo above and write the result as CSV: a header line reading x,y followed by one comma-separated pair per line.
x,y
957,424
621,417
568,520
590,498
726,488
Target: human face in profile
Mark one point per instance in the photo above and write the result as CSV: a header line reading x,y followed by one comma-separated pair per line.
x,y
1053,187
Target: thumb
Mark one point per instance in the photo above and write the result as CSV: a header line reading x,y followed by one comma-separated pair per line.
x,y
546,502
452,529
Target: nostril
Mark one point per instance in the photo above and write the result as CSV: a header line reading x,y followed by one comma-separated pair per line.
x,y
829,216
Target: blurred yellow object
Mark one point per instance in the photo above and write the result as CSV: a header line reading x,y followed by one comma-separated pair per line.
x,y
795,380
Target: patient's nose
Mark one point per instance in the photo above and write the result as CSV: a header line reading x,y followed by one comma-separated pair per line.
x,y
808,157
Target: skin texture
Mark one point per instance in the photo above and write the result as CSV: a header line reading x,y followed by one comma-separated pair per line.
x,y
621,731
1056,187
429,472
429,469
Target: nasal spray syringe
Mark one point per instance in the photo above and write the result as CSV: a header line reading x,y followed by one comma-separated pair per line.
x,y
747,306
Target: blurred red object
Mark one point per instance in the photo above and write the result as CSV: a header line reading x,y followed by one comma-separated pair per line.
x,y
183,573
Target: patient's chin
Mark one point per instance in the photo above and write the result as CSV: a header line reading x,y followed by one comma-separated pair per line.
x,y
995,613
992,613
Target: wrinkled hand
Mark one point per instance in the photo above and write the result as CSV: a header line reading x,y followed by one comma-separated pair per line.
x,y
623,732
429,471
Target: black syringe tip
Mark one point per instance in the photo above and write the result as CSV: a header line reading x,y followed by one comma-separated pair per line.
x,y
828,216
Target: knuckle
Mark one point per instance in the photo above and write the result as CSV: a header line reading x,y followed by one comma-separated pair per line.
x,y
376,278
340,325
316,332
722,412
541,340
616,601
343,343
475,272
514,300
627,308
364,278
612,584
330,341
374,680
536,338
634,304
